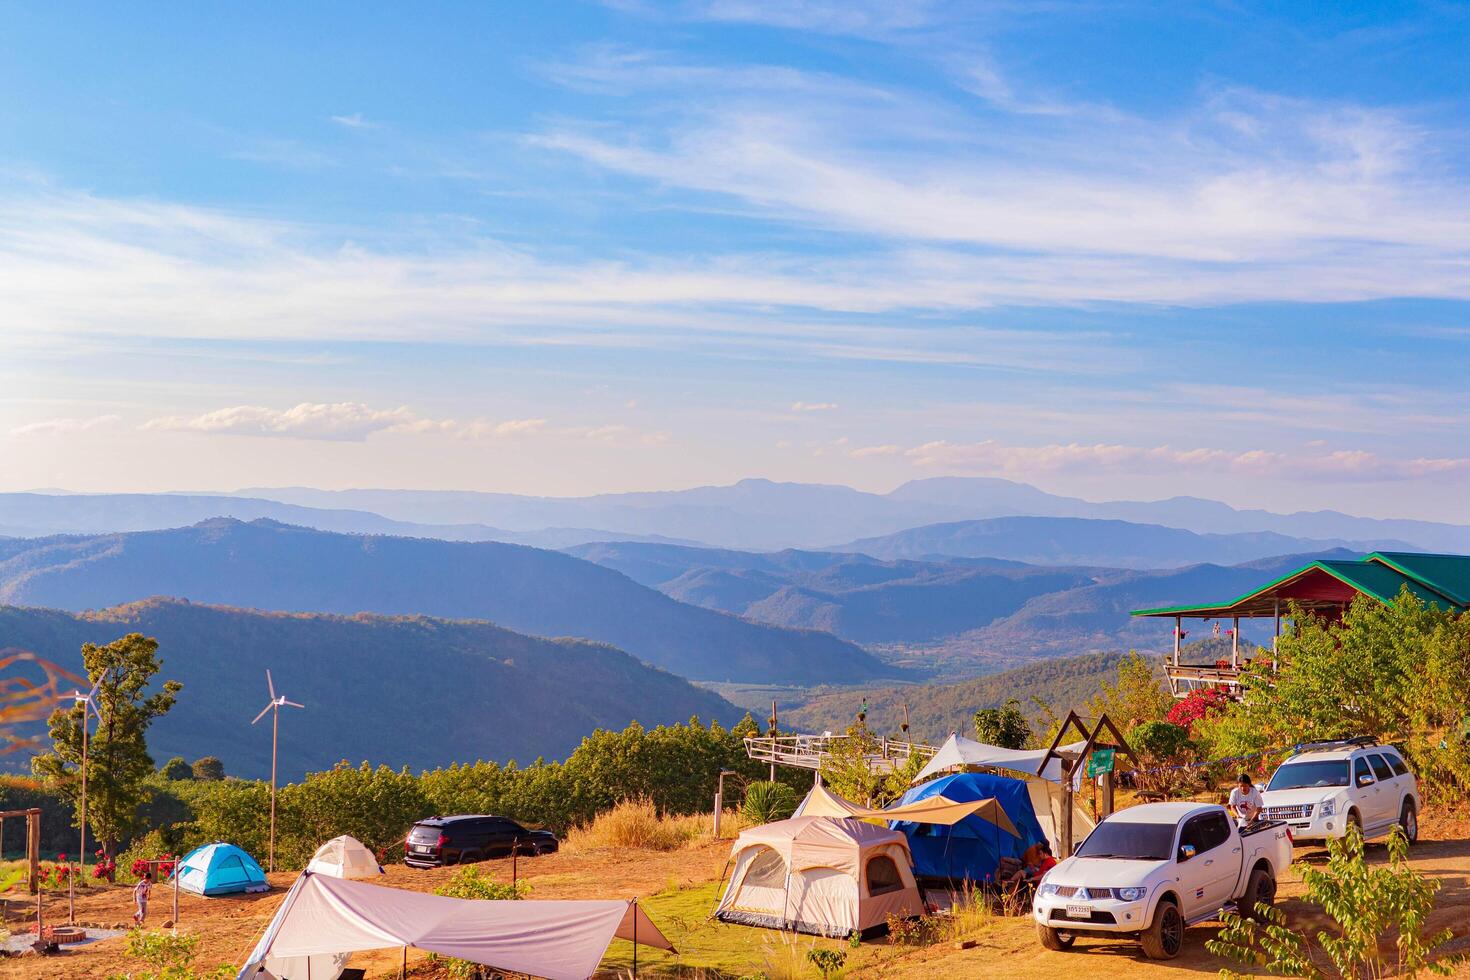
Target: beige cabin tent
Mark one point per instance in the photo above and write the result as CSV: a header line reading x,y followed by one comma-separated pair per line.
x,y
344,857
823,875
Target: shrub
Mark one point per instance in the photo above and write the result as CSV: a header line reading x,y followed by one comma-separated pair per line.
x,y
171,957
176,769
637,824
766,802
209,768
1364,904
827,961
923,930
470,882
1200,703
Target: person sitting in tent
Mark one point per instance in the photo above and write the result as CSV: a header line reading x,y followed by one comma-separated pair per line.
x,y
1035,863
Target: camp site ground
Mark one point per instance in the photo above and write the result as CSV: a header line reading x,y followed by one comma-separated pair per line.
x,y
680,888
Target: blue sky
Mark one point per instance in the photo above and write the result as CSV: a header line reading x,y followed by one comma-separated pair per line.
x,y
1115,250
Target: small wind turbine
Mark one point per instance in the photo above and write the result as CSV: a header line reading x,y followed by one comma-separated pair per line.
x,y
274,707
88,702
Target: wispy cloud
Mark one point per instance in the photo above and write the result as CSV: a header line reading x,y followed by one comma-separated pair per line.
x,y
355,121
337,421
64,426
813,406
990,457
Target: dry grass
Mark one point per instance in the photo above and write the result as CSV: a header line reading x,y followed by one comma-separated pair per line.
x,y
637,824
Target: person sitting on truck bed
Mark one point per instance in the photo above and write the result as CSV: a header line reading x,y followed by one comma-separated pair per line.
x,y
1246,802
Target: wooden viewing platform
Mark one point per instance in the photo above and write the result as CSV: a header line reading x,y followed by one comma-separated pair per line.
x,y
810,751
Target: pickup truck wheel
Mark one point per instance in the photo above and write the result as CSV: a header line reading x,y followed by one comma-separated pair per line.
x,y
1055,939
1164,937
1260,889
1354,820
1409,821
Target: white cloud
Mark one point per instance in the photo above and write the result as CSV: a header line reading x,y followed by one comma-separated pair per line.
x,y
64,426
991,457
813,406
865,452
339,421
354,121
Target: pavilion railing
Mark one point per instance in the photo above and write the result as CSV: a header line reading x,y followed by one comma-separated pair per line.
x,y
811,751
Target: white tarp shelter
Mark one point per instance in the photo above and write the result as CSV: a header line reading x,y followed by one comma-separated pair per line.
x,y
345,857
1044,786
824,875
324,918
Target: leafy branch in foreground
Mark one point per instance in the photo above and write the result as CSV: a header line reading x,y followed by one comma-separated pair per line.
x,y
1366,904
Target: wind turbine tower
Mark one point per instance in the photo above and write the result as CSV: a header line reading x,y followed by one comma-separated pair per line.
x,y
274,706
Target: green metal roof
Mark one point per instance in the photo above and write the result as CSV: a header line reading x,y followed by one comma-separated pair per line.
x,y
1381,576
1449,575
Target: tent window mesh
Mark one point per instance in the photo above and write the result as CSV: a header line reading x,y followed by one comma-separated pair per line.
x,y
767,870
883,876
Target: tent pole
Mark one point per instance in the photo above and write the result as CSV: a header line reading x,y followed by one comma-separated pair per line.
x,y
403,969
635,939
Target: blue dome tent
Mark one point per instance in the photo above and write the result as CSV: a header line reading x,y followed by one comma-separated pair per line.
x,y
220,869
971,849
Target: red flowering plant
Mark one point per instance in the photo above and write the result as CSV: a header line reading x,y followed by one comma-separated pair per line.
x,y
1201,703
106,867
162,866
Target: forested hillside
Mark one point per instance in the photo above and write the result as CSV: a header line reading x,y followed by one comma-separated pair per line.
x,y
935,710
403,691
266,565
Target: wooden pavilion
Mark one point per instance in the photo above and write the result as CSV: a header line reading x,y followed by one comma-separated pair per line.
x,y
1325,588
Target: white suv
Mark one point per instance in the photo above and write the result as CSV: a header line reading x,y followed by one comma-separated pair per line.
x,y
1328,785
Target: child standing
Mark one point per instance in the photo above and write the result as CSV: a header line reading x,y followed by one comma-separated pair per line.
x,y
141,891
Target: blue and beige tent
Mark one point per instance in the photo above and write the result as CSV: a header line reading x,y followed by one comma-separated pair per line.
x,y
220,869
971,849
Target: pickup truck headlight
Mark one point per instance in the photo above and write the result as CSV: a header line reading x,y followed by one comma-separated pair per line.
x,y
1130,894
1047,890
1327,808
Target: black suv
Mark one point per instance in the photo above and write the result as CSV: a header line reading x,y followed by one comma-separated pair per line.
x,y
463,839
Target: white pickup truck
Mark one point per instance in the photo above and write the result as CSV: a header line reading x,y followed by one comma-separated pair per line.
x,y
1149,871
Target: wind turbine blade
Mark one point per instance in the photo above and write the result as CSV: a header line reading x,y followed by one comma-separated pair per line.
x,y
292,703
263,711
269,683
93,692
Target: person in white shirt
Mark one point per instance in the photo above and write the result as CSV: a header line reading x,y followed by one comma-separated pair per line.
x,y
1246,801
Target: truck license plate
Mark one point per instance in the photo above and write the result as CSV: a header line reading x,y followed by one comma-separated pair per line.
x,y
1079,911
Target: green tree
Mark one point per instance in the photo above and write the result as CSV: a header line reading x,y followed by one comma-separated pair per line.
x,y
176,769
1397,671
1366,906
1136,696
118,760
1005,726
208,767
849,769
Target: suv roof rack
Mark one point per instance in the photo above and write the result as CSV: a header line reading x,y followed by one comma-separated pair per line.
x,y
1358,741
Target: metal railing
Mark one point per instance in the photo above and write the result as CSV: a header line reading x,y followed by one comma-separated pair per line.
x,y
810,751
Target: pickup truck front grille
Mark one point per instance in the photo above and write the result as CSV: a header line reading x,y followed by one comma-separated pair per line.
x,y
1299,811
1067,891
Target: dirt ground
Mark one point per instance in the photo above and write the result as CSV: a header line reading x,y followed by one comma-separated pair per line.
x,y
229,927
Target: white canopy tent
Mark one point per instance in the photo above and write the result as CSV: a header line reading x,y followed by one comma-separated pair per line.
x,y
1043,785
345,857
323,919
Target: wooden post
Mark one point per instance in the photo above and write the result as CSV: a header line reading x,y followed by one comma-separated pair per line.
x,y
403,967
82,833
1107,794
1178,625
1235,643
176,892
33,846
1277,635
1066,841
719,807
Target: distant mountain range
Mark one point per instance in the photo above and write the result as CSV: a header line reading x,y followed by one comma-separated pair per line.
x,y
402,691
764,515
266,565
955,616
1092,541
